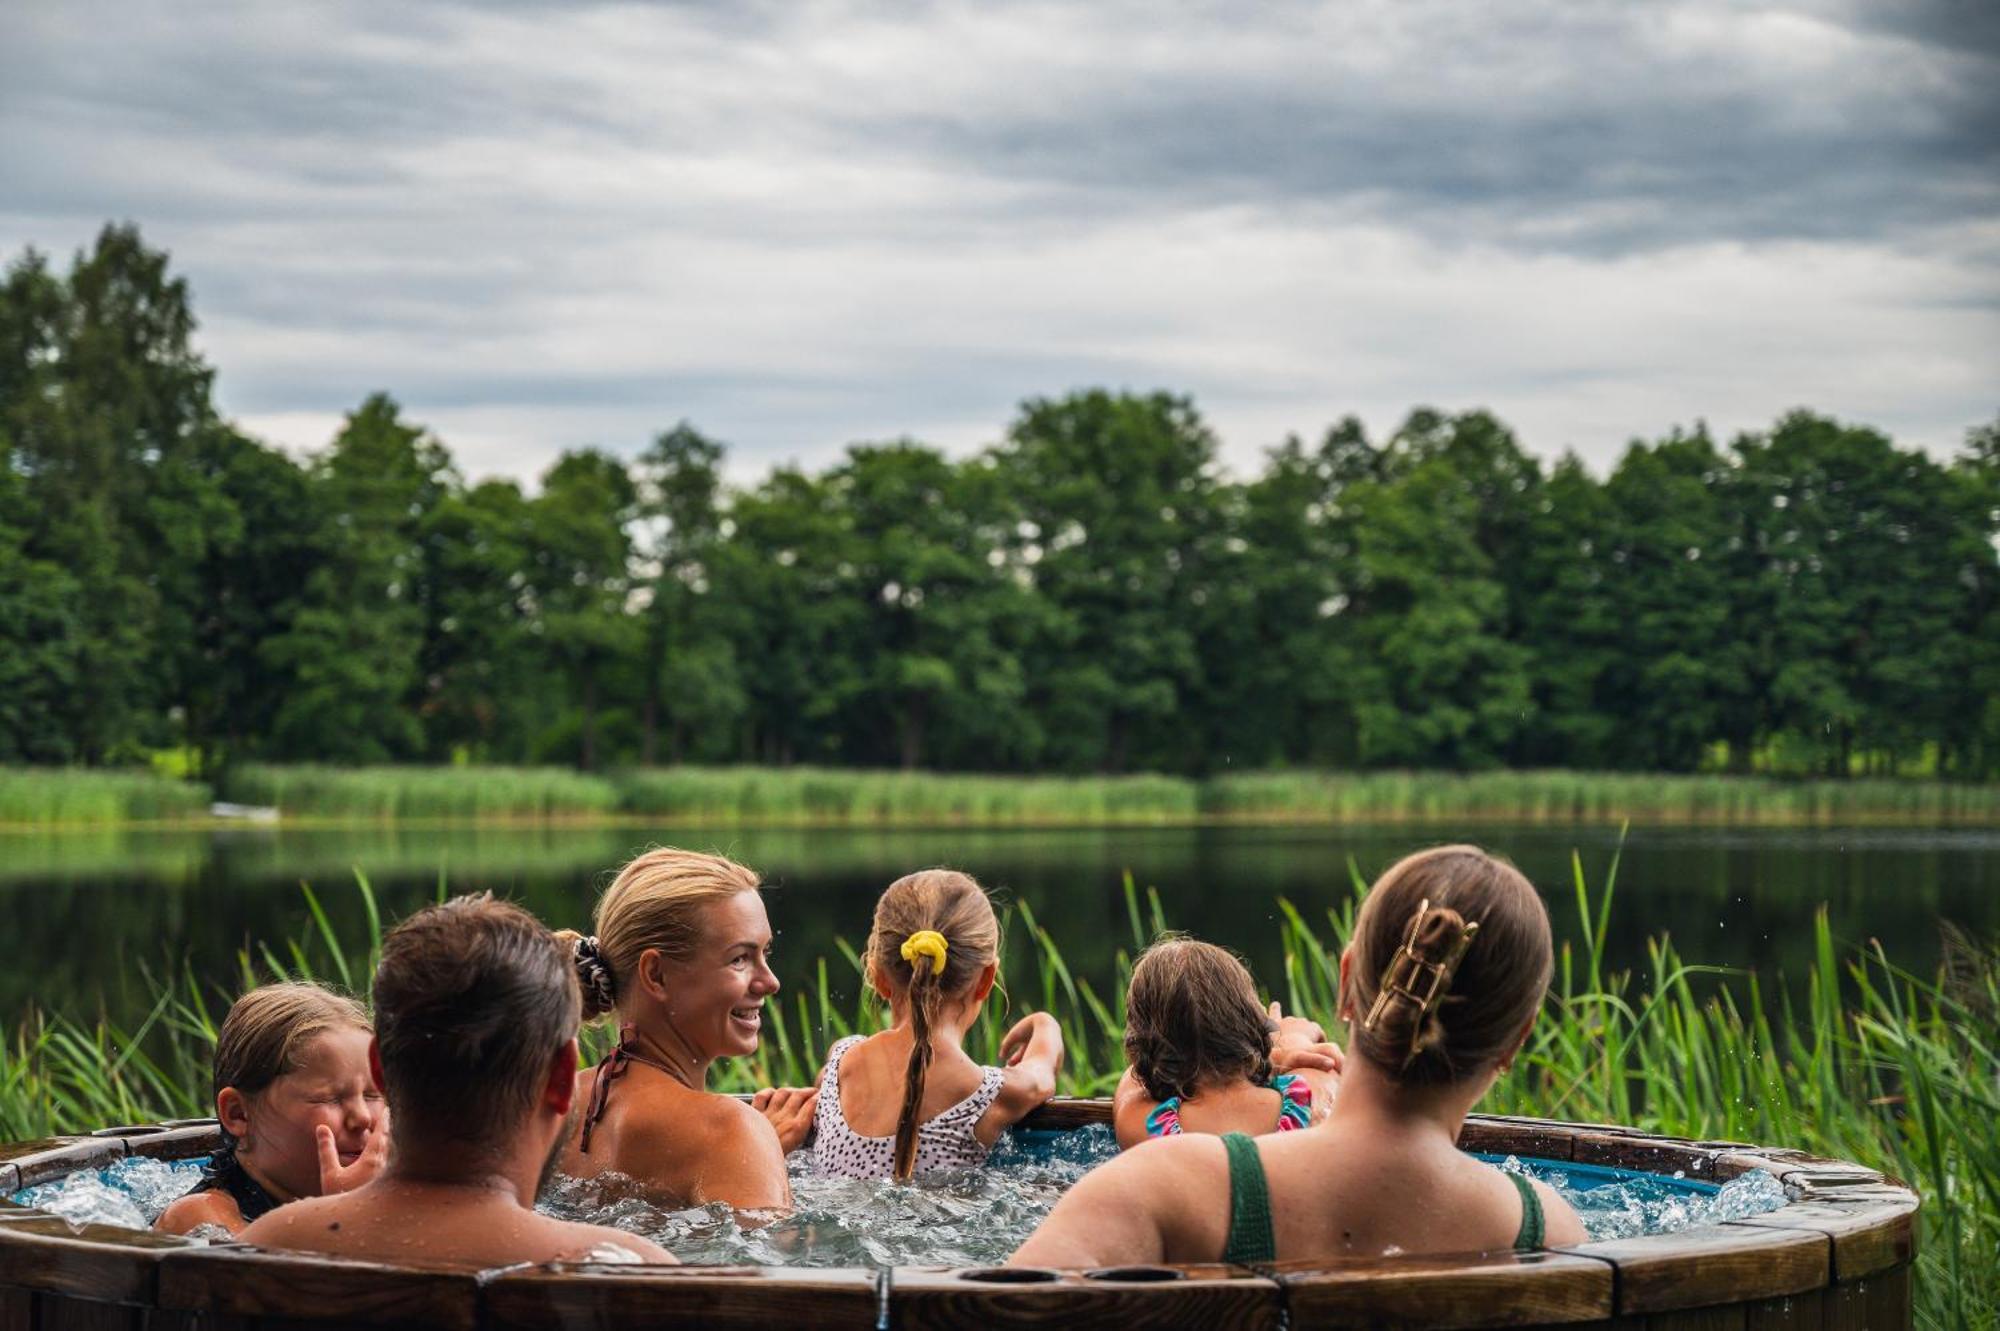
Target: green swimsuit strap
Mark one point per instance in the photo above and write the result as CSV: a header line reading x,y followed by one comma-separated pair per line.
x,y
1530,1237
1249,1204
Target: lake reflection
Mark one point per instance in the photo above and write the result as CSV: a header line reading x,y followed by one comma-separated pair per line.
x,y
90,913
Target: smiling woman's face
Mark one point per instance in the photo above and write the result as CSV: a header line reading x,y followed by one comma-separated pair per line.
x,y
715,997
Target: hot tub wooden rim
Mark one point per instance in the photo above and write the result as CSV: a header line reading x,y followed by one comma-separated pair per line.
x,y
1846,1229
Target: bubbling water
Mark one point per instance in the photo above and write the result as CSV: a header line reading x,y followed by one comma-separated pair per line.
x,y
969,1217
972,1217
130,1192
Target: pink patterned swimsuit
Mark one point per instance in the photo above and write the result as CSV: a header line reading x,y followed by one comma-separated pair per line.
x,y
1295,1101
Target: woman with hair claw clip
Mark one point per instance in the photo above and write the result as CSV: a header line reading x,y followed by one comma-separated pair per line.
x,y
1441,984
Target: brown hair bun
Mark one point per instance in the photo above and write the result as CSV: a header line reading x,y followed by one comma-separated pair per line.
x,y
1450,959
1192,1019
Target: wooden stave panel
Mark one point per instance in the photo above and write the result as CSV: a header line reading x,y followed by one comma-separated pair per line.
x,y
1655,1155
1866,1236
52,1157
1507,1136
1537,1289
618,1296
252,1282
176,1142
1879,1303
49,1255
1712,1265
1065,1112
928,1298
61,1312
17,1309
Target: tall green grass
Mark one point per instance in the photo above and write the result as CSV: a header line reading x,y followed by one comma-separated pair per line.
x,y
63,796
1602,797
1891,1069
831,797
415,793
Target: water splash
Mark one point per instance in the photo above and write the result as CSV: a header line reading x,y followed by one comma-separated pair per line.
x,y
1652,1203
130,1192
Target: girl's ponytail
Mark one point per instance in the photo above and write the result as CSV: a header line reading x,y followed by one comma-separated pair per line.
x,y
924,952
934,935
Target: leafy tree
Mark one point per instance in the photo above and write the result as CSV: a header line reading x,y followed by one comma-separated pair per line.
x,y
690,675
580,555
1117,501
1432,541
941,624
355,637
483,667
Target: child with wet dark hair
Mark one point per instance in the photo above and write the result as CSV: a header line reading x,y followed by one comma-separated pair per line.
x,y
300,1115
1206,1056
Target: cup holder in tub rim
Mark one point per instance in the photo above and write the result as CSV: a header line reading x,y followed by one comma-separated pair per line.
x,y
1012,1275
1136,1275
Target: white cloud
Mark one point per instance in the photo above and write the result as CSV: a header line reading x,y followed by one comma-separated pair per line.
x,y
804,225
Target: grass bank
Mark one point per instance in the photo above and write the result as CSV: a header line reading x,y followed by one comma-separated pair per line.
x,y
828,797
1596,797
1894,1070
70,796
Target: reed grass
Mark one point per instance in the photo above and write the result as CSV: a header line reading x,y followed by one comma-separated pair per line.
x,y
819,796
1593,797
65,796
835,797
1887,1068
382,794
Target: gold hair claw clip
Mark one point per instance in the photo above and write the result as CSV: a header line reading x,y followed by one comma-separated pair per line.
x,y
1407,971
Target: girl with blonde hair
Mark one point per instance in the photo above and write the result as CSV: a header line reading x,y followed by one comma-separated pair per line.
x,y
300,1114
909,1099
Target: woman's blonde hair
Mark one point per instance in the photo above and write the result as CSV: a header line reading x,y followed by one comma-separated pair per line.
x,y
654,902
949,903
268,1028
1450,959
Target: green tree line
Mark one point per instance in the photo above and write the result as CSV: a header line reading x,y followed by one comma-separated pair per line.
x,y
1091,593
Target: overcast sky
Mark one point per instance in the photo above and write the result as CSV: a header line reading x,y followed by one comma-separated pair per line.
x,y
802,224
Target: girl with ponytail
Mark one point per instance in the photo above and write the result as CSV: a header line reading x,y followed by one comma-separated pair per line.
x,y
909,1099
1440,986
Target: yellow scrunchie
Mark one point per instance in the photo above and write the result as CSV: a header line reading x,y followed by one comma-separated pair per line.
x,y
926,943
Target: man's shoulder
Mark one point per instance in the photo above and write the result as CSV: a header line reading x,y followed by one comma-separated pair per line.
x,y
295,1221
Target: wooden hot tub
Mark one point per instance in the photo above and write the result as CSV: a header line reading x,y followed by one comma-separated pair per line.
x,y
1836,1256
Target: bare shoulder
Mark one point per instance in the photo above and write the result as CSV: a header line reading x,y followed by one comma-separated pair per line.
x,y
1145,1205
582,1240
214,1207
698,1129
1561,1225
283,1227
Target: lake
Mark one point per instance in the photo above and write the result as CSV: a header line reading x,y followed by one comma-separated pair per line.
x,y
90,913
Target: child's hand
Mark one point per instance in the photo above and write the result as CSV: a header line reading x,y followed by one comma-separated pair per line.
x,y
1014,1047
1323,1057
336,1177
790,1111
1293,1032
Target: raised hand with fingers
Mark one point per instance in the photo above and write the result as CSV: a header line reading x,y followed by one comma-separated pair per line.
x,y
790,1111
336,1177
1300,1045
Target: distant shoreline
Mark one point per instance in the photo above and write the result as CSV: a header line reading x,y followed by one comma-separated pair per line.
x,y
826,798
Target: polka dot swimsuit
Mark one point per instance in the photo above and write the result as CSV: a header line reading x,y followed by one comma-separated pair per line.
x,y
943,1142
